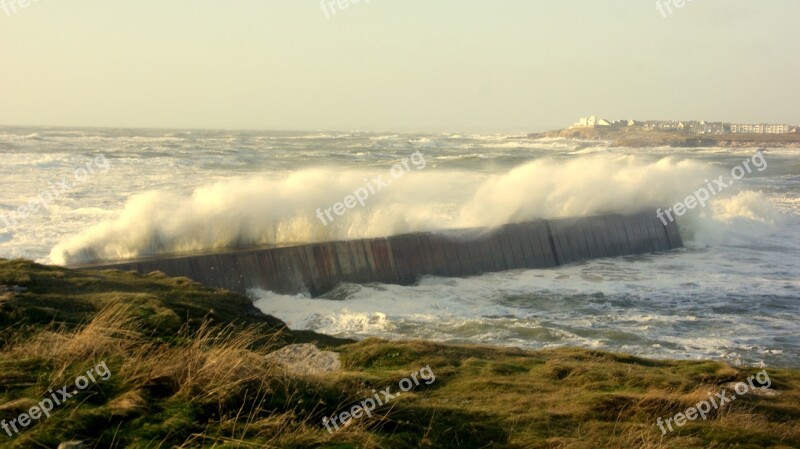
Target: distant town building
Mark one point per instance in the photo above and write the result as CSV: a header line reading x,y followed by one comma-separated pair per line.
x,y
591,122
740,128
703,127
695,127
671,124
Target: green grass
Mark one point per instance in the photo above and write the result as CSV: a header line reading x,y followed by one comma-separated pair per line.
x,y
189,370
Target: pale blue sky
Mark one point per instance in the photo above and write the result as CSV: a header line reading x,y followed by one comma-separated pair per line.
x,y
460,65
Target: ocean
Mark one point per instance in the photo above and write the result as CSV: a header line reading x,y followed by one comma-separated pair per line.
x,y
732,294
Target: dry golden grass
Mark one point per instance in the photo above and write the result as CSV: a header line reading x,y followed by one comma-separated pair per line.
x,y
208,383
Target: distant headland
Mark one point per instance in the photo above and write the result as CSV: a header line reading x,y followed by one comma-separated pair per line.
x,y
654,133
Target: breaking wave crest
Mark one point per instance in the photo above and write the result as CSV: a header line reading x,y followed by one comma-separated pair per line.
x,y
273,209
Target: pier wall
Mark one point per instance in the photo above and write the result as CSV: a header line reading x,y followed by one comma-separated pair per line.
x,y
402,259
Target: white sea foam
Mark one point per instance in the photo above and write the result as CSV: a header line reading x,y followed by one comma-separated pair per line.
x,y
279,209
733,293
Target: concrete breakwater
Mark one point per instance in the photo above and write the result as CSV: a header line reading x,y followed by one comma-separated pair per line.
x,y
402,259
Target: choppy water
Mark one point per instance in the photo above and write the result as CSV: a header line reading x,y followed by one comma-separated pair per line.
x,y
732,294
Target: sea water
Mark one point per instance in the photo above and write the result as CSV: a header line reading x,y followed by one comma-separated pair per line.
x,y
732,294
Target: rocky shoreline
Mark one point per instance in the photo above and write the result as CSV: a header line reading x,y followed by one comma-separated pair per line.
x,y
635,138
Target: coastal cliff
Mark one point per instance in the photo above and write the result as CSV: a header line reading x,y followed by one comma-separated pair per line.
x,y
638,137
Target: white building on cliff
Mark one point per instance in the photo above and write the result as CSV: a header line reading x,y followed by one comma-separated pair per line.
x,y
591,122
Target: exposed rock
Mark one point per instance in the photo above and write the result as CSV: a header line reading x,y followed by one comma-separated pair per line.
x,y
12,288
757,391
306,359
18,289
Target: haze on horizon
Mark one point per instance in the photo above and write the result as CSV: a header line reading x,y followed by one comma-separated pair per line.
x,y
466,65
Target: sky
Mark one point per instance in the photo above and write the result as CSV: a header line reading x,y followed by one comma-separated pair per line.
x,y
395,65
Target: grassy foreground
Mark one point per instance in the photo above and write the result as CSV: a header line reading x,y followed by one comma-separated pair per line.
x,y
189,369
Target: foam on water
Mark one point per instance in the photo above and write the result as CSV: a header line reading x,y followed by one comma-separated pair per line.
x,y
732,294
284,208
668,305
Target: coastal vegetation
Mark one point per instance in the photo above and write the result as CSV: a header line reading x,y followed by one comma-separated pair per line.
x,y
190,368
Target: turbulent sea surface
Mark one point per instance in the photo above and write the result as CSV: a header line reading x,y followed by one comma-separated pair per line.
x,y
733,293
